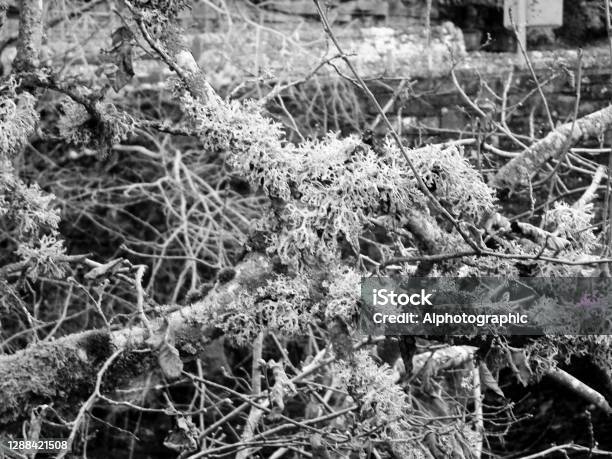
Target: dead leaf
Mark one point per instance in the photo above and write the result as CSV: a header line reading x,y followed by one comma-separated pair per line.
x,y
282,385
184,437
122,70
158,336
106,269
487,380
520,365
34,426
552,241
427,375
170,361
341,339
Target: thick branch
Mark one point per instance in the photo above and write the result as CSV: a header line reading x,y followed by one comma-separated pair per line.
x,y
580,388
456,356
65,370
591,192
30,35
3,8
519,169
427,234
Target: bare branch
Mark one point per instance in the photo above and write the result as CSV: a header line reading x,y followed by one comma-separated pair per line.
x,y
586,392
519,169
591,191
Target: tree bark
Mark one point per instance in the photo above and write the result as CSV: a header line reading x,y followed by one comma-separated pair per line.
x,y
30,35
519,169
580,388
427,235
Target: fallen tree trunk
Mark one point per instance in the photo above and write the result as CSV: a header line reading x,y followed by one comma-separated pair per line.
x,y
517,171
65,370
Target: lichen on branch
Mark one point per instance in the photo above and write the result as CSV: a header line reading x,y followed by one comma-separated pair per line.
x,y
325,191
18,118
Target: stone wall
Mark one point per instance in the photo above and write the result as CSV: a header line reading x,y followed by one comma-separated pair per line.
x,y
480,20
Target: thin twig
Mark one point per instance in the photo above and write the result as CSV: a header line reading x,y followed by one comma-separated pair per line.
x,y
533,74
88,405
256,412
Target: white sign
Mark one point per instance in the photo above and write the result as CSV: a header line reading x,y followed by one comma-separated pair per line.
x,y
539,13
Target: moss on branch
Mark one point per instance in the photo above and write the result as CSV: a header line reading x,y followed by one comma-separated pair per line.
x,y
50,372
64,371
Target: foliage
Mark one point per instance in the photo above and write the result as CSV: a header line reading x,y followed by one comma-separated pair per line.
x,y
26,208
18,118
42,259
341,292
574,224
77,126
282,305
456,182
382,402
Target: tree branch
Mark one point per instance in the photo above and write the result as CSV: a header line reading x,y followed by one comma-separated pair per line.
x,y
30,35
65,369
428,235
591,192
3,9
517,170
568,447
255,413
580,388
